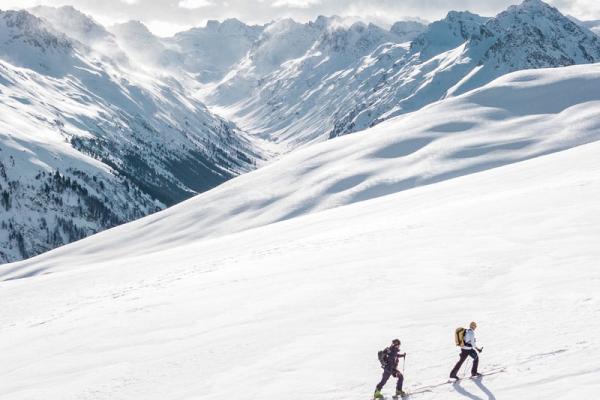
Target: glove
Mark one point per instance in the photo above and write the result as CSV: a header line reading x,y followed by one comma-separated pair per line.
x,y
480,350
403,355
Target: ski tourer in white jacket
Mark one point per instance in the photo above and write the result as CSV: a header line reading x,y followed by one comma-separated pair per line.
x,y
468,349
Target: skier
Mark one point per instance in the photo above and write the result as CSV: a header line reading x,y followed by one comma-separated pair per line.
x,y
468,349
389,362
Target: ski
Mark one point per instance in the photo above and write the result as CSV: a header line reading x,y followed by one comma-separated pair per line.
x,y
486,373
430,388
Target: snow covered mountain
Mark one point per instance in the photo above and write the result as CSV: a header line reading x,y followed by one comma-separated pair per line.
x,y
407,31
447,34
279,42
86,143
74,24
210,52
516,117
594,25
144,47
329,92
291,100
301,307
127,106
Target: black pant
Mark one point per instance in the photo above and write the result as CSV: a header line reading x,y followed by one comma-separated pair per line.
x,y
463,356
386,376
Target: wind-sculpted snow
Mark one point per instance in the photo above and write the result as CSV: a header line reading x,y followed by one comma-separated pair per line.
x,y
519,116
299,309
86,143
332,90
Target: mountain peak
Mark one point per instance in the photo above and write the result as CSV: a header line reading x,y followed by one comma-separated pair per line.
x,y
321,22
532,35
30,30
230,26
533,8
357,38
73,22
448,33
227,26
547,20
408,30
535,4
134,26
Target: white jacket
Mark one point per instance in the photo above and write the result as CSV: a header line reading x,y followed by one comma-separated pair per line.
x,y
470,341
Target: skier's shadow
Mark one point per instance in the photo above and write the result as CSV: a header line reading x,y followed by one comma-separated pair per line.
x,y
459,389
484,389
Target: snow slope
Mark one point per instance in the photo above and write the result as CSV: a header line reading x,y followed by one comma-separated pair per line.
x,y
354,78
518,116
298,309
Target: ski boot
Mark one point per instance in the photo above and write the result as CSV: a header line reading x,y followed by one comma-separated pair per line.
x,y
377,395
400,394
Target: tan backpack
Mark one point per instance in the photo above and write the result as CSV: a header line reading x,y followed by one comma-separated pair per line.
x,y
459,336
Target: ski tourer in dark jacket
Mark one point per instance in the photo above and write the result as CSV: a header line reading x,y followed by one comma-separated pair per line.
x,y
391,357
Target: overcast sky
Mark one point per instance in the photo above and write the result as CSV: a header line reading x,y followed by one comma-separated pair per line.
x,y
165,17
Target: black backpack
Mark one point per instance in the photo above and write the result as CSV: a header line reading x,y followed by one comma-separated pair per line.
x,y
382,355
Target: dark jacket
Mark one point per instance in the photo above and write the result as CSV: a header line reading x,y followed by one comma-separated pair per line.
x,y
391,358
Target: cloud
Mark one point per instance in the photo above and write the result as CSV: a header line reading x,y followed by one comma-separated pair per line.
x,y
295,3
193,4
165,28
582,9
167,16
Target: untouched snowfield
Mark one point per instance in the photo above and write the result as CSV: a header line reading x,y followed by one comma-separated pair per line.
x,y
298,309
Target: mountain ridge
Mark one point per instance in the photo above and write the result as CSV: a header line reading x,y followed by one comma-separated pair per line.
x,y
344,95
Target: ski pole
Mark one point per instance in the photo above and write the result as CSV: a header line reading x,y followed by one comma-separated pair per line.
x,y
403,364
